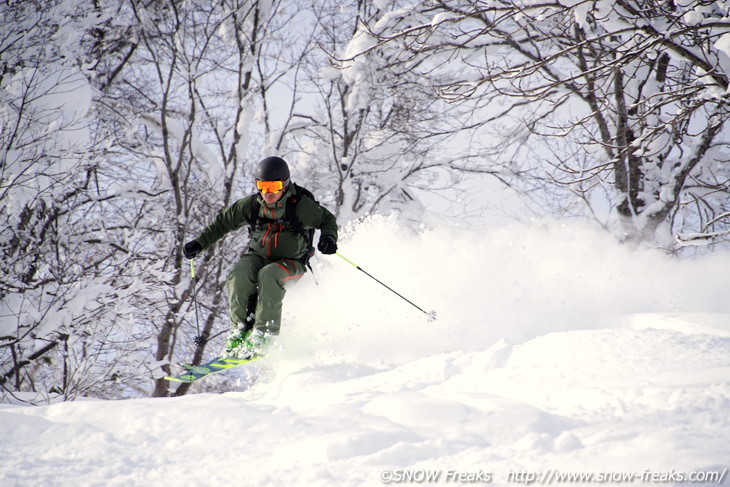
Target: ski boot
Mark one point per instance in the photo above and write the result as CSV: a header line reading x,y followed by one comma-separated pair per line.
x,y
247,345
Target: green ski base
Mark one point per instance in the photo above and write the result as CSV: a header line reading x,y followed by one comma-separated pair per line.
x,y
196,372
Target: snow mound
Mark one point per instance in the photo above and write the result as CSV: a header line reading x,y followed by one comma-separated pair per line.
x,y
556,352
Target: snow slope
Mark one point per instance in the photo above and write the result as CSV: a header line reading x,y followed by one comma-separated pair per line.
x,y
556,352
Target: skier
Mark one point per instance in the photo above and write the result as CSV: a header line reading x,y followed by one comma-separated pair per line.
x,y
282,218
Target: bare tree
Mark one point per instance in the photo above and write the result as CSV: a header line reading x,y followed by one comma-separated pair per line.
x,y
55,275
638,88
372,139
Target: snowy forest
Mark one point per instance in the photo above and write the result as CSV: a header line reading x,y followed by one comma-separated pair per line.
x,y
126,125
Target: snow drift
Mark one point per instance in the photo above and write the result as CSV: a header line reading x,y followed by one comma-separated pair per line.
x,y
556,351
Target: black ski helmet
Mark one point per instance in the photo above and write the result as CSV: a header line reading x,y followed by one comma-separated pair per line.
x,y
272,169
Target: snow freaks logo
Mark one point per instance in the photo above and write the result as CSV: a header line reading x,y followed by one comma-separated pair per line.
x,y
549,477
420,476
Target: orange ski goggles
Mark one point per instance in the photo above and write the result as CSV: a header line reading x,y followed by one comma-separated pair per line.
x,y
269,186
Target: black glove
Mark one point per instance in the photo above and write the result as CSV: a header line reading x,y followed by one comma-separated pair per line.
x,y
327,245
191,249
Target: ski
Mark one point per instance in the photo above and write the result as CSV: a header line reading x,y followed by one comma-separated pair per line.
x,y
196,372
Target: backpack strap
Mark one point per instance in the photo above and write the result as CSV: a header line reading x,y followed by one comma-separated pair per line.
x,y
254,216
293,219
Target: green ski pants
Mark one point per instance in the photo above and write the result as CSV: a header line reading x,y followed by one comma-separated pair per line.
x,y
256,274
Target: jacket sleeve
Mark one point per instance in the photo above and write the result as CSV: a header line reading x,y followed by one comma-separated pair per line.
x,y
228,220
314,215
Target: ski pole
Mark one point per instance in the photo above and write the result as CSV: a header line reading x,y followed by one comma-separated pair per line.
x,y
199,340
431,315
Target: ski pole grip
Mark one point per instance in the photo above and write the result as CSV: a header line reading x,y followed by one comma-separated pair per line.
x,y
192,268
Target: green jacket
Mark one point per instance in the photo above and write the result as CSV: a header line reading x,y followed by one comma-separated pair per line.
x,y
273,237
